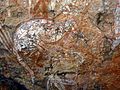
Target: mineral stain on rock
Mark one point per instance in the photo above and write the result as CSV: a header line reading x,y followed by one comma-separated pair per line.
x,y
59,44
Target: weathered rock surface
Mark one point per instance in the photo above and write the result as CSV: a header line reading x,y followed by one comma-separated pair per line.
x,y
83,59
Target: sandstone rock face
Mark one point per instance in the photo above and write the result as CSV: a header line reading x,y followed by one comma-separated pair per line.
x,y
69,44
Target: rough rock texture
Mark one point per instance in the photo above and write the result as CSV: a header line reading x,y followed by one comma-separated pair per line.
x,y
82,59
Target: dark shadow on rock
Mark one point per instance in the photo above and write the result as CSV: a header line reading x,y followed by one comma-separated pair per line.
x,y
10,84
